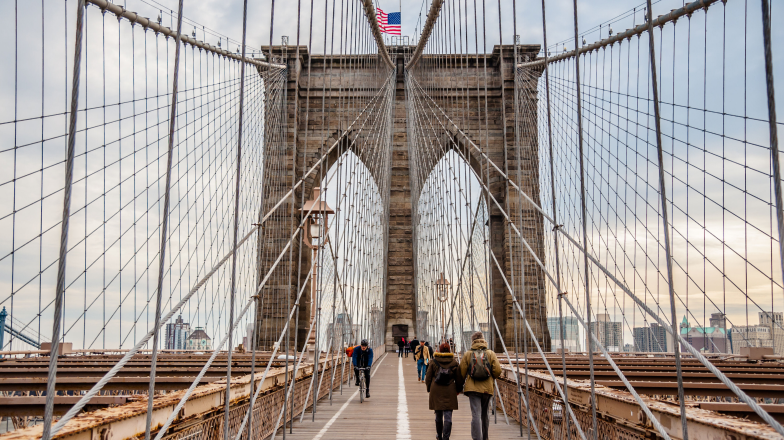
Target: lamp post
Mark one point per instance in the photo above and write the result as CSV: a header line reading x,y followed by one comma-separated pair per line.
x,y
317,214
442,293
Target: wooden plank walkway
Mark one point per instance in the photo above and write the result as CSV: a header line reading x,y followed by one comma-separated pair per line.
x,y
390,413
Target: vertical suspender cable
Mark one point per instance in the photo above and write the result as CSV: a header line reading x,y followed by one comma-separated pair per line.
x,y
665,219
508,230
585,221
227,398
774,141
69,165
294,201
520,212
284,104
164,225
561,323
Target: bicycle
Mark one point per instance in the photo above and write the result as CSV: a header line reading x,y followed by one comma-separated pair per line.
x,y
361,374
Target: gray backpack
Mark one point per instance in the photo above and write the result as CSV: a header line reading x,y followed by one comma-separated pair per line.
x,y
479,366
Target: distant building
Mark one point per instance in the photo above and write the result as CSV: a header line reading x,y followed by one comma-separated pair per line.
x,y
571,337
339,332
609,333
651,339
198,340
764,335
713,339
628,348
248,338
774,320
377,325
177,334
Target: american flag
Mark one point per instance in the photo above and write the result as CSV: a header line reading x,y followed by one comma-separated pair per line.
x,y
389,23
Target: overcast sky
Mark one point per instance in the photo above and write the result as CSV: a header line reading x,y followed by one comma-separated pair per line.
x,y
33,50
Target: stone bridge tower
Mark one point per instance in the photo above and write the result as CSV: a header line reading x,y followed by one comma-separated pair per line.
x,y
400,307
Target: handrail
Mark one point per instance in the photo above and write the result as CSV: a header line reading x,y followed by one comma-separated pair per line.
x,y
146,23
661,20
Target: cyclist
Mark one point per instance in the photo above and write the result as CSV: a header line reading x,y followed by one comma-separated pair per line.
x,y
363,358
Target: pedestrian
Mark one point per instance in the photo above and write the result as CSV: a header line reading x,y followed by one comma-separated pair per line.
x,y
422,356
350,353
429,348
444,382
400,344
406,347
412,346
480,368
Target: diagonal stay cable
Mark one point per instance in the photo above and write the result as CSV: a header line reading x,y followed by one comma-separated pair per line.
x,y
119,365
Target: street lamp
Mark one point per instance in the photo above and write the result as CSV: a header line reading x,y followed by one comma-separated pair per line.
x,y
442,293
316,212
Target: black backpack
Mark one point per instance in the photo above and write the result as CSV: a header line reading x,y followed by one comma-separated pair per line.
x,y
479,366
444,376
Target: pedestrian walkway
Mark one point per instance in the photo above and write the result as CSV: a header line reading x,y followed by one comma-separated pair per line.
x,y
397,409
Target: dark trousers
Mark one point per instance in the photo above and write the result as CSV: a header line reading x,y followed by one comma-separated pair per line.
x,y
400,351
443,424
406,350
367,377
480,421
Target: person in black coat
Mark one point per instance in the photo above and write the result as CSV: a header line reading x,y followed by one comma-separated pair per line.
x,y
401,347
444,390
427,344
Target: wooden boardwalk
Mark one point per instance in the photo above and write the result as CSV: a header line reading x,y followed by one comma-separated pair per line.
x,y
390,413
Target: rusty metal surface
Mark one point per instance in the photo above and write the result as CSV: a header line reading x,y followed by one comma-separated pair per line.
x,y
127,421
79,372
656,374
619,415
26,406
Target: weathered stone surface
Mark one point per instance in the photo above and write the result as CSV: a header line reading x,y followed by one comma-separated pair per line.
x,y
315,96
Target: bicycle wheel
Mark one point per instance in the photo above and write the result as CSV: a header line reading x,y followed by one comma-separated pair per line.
x,y
361,389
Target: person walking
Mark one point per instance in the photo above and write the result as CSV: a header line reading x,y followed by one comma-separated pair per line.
x,y
429,348
422,356
480,367
400,347
406,346
363,358
412,346
444,382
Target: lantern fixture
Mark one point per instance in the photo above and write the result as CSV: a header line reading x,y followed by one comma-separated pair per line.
x,y
317,220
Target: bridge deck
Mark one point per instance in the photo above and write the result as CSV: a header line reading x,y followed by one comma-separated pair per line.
x,y
378,417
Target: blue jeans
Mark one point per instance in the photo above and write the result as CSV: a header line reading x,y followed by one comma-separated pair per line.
x,y
421,369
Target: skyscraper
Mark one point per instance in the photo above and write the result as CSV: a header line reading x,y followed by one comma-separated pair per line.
x,y
177,334
651,339
609,333
571,337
